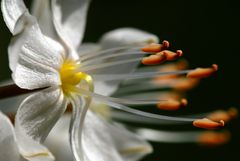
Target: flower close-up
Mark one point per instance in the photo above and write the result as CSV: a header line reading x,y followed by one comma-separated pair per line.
x,y
82,100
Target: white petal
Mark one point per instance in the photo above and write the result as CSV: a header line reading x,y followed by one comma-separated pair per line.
x,y
69,18
131,146
39,60
97,140
12,13
58,140
87,48
41,9
117,38
126,36
8,146
35,118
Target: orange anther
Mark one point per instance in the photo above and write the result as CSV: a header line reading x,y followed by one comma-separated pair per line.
x,y
208,124
202,72
185,84
166,44
211,138
170,55
172,105
153,47
153,59
223,115
233,112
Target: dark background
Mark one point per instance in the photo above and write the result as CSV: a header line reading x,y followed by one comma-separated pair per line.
x,y
207,32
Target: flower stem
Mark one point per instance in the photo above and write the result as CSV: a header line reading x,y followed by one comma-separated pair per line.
x,y
13,90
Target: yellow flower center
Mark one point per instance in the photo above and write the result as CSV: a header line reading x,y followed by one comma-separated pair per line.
x,y
71,77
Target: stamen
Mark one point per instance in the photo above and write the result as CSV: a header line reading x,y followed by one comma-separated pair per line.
x,y
137,75
211,138
172,105
117,100
185,84
153,47
103,52
109,64
223,115
208,124
113,55
154,59
167,136
113,103
202,72
170,55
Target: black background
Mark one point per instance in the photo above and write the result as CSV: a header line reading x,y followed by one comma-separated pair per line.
x,y
207,32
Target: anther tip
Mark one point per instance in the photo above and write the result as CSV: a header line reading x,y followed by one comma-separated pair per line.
x,y
208,124
215,67
184,102
166,43
179,53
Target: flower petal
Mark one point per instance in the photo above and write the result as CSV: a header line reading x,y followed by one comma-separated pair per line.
x,y
131,146
118,38
39,60
8,147
58,139
42,11
105,142
69,17
97,141
12,13
87,48
35,118
126,36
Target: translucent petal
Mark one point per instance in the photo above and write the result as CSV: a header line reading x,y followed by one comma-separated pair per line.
x,y
8,147
69,18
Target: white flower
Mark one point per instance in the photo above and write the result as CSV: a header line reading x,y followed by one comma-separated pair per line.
x,y
47,54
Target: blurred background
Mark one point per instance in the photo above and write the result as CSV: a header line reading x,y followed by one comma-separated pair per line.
x,y
206,31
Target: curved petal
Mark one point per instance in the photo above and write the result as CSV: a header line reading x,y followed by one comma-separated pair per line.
x,y
12,12
35,118
58,139
69,17
39,59
118,38
131,146
8,147
97,141
105,142
42,11
126,36
87,48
